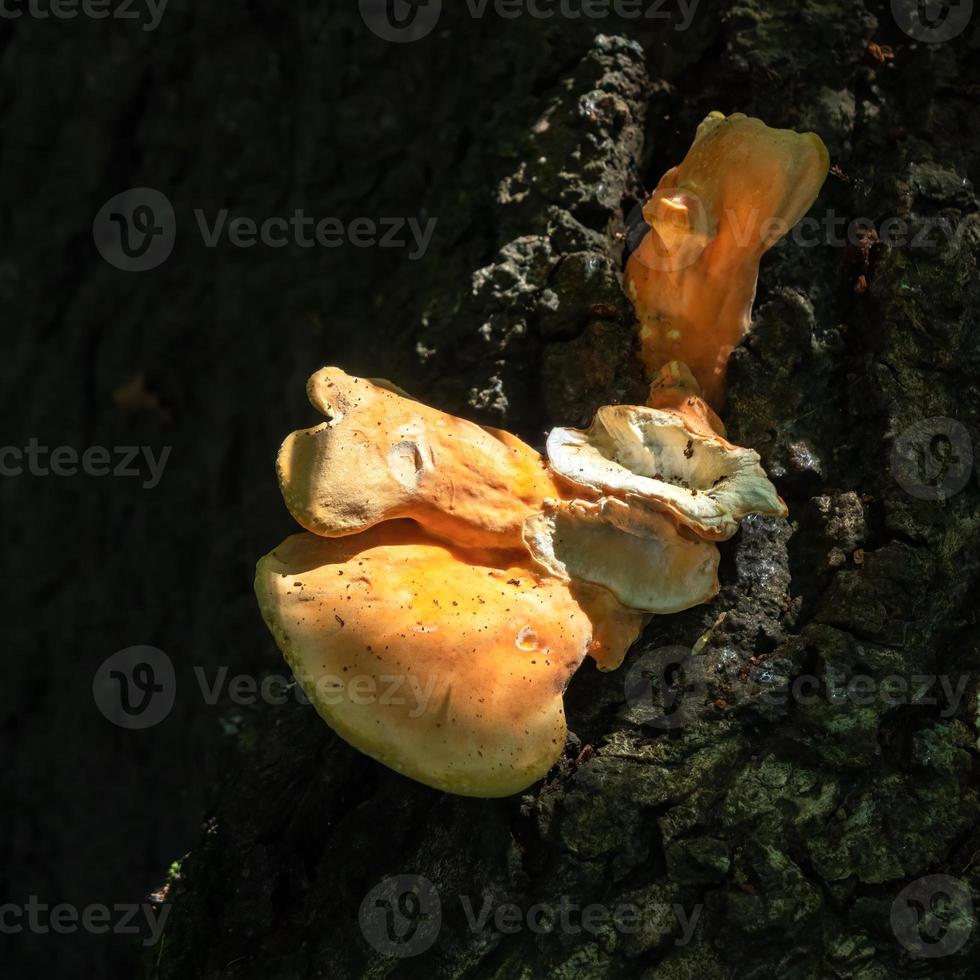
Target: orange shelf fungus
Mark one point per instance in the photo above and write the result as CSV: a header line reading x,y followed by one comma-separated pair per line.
x,y
692,279
446,665
383,455
451,580
670,460
635,553
676,390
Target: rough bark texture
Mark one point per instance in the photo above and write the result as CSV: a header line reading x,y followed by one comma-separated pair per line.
x,y
783,828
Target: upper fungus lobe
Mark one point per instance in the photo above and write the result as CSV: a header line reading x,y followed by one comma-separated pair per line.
x,y
692,279
383,456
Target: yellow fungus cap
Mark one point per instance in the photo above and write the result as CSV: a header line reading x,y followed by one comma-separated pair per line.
x,y
445,665
692,279
383,456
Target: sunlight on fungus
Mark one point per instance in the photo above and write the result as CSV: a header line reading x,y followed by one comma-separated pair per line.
x,y
456,564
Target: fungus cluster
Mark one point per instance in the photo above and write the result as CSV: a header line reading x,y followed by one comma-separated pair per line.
x,y
450,580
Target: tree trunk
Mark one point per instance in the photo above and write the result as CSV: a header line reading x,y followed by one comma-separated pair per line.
x,y
798,798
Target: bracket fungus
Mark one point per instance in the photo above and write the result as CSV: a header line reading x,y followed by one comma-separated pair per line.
x,y
660,459
453,564
451,580
382,455
692,279
637,554
446,665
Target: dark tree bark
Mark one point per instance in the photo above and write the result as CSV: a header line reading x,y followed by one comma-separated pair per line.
x,y
759,834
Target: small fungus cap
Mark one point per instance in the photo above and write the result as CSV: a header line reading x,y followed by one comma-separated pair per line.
x,y
650,457
634,552
675,389
383,456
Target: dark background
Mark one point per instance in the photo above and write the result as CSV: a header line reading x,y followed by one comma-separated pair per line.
x,y
263,108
